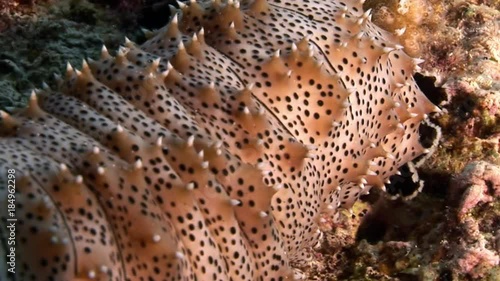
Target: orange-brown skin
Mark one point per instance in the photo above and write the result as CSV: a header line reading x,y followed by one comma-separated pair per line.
x,y
211,151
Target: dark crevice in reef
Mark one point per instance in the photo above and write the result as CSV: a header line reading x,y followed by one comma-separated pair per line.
x,y
390,220
406,277
372,230
435,183
372,227
155,14
397,220
445,275
427,84
462,106
149,14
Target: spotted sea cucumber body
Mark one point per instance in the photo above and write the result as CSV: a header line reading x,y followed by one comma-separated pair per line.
x,y
211,151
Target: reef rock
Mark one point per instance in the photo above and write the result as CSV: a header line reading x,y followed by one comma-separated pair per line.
x,y
479,183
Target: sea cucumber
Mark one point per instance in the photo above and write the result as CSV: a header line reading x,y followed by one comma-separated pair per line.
x,y
211,151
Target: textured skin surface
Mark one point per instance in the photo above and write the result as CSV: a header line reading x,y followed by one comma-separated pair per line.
x,y
210,152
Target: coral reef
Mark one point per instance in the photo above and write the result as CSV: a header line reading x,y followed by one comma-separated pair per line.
x,y
450,237
215,150
476,192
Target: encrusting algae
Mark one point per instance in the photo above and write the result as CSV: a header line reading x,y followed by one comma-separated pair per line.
x,y
212,151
